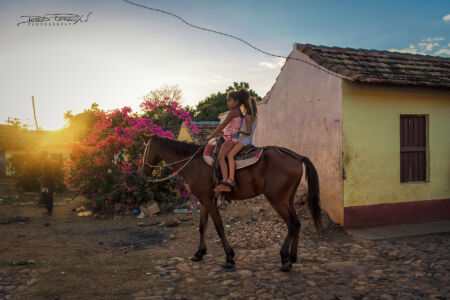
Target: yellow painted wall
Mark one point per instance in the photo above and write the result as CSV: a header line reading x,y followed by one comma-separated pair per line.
x,y
184,135
371,143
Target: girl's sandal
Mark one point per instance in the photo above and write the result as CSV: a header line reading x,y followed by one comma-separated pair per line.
x,y
231,184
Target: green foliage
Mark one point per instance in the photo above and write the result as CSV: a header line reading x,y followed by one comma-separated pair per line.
x,y
167,193
162,117
81,124
209,108
27,171
17,123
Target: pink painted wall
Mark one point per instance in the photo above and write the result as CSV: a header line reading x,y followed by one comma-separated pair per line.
x,y
304,113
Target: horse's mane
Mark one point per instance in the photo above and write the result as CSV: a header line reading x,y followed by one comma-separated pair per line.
x,y
179,147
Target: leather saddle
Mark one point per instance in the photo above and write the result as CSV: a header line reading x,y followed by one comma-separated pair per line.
x,y
247,156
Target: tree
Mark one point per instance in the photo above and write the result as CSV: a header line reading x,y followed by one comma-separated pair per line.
x,y
159,115
81,124
17,123
209,108
172,92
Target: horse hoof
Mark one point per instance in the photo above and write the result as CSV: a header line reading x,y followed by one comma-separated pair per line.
x,y
228,265
293,259
287,267
196,258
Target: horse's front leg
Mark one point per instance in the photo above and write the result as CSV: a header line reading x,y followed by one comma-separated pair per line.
x,y
217,219
202,228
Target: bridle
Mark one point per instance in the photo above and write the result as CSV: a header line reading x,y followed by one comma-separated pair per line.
x,y
188,159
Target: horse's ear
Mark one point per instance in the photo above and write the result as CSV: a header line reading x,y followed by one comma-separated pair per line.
x,y
147,137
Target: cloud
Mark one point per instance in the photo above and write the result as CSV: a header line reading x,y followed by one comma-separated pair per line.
x,y
436,39
443,51
276,63
205,79
426,46
411,49
446,18
267,64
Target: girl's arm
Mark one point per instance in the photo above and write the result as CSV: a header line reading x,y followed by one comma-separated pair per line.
x,y
232,114
248,122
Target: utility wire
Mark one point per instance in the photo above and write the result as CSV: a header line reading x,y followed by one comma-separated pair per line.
x,y
234,37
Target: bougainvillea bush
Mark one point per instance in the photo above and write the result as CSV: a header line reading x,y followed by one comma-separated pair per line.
x,y
103,167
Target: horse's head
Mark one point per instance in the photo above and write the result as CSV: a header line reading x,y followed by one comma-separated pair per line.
x,y
149,158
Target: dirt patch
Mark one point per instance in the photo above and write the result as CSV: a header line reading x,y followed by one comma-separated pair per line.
x,y
140,239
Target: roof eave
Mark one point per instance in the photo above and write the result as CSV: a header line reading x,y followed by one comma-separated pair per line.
x,y
322,62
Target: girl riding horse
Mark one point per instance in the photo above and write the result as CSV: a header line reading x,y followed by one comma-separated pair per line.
x,y
238,128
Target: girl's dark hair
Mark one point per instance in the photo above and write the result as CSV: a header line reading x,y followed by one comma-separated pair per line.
x,y
243,97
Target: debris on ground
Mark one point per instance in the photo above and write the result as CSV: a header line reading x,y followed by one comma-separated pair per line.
x,y
79,208
85,213
173,223
182,211
255,212
151,209
24,262
14,219
141,215
194,205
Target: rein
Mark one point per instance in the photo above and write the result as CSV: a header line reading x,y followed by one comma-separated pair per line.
x,y
189,159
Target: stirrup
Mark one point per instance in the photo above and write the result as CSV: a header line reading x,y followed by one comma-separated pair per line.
x,y
221,185
230,183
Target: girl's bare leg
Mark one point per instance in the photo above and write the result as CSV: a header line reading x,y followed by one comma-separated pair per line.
x,y
231,156
226,147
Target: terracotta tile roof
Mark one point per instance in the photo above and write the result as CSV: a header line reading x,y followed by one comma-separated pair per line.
x,y
380,66
174,129
206,128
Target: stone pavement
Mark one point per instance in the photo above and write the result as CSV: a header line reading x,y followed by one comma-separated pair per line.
x,y
409,268
14,279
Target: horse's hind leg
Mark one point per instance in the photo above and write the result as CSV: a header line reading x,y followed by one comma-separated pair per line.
x,y
294,243
202,228
297,226
293,225
217,219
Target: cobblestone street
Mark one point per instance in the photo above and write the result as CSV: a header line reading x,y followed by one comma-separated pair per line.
x,y
333,266
415,268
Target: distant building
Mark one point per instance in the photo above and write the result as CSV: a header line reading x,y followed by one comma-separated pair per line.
x,y
17,141
206,128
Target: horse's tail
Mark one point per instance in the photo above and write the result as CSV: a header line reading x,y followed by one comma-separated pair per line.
x,y
313,192
313,186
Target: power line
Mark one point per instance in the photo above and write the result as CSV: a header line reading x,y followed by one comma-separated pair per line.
x,y
234,37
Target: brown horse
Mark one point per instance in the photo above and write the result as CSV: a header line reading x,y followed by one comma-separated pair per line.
x,y
276,175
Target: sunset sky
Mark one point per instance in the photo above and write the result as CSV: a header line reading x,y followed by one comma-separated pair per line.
x,y
123,51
